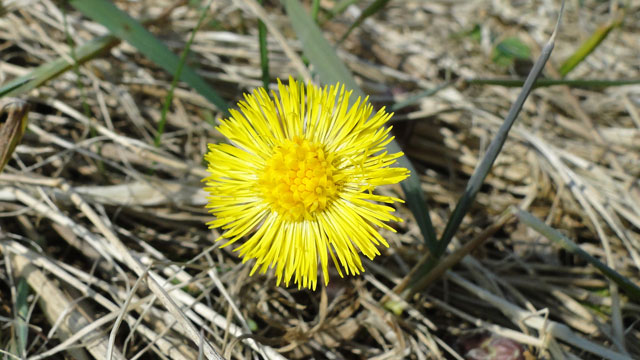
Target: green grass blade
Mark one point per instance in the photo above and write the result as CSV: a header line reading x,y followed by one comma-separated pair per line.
x,y
579,83
588,46
22,312
632,289
315,9
331,70
126,28
50,70
13,85
482,170
316,48
264,52
373,8
183,58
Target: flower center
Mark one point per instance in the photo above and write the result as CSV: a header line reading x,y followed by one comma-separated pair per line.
x,y
299,179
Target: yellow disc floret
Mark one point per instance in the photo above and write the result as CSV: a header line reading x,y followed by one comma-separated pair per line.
x,y
299,179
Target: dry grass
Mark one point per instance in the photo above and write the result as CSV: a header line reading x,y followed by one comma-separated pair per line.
x,y
90,207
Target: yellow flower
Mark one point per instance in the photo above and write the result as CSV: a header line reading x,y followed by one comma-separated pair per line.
x,y
298,181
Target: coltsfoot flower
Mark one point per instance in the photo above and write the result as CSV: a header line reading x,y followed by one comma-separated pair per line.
x,y
297,181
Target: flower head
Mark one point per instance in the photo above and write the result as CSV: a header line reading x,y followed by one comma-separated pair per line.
x,y
298,181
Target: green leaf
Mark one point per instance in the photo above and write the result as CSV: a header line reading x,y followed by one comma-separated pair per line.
x,y
331,70
253,325
475,33
514,47
509,49
128,29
